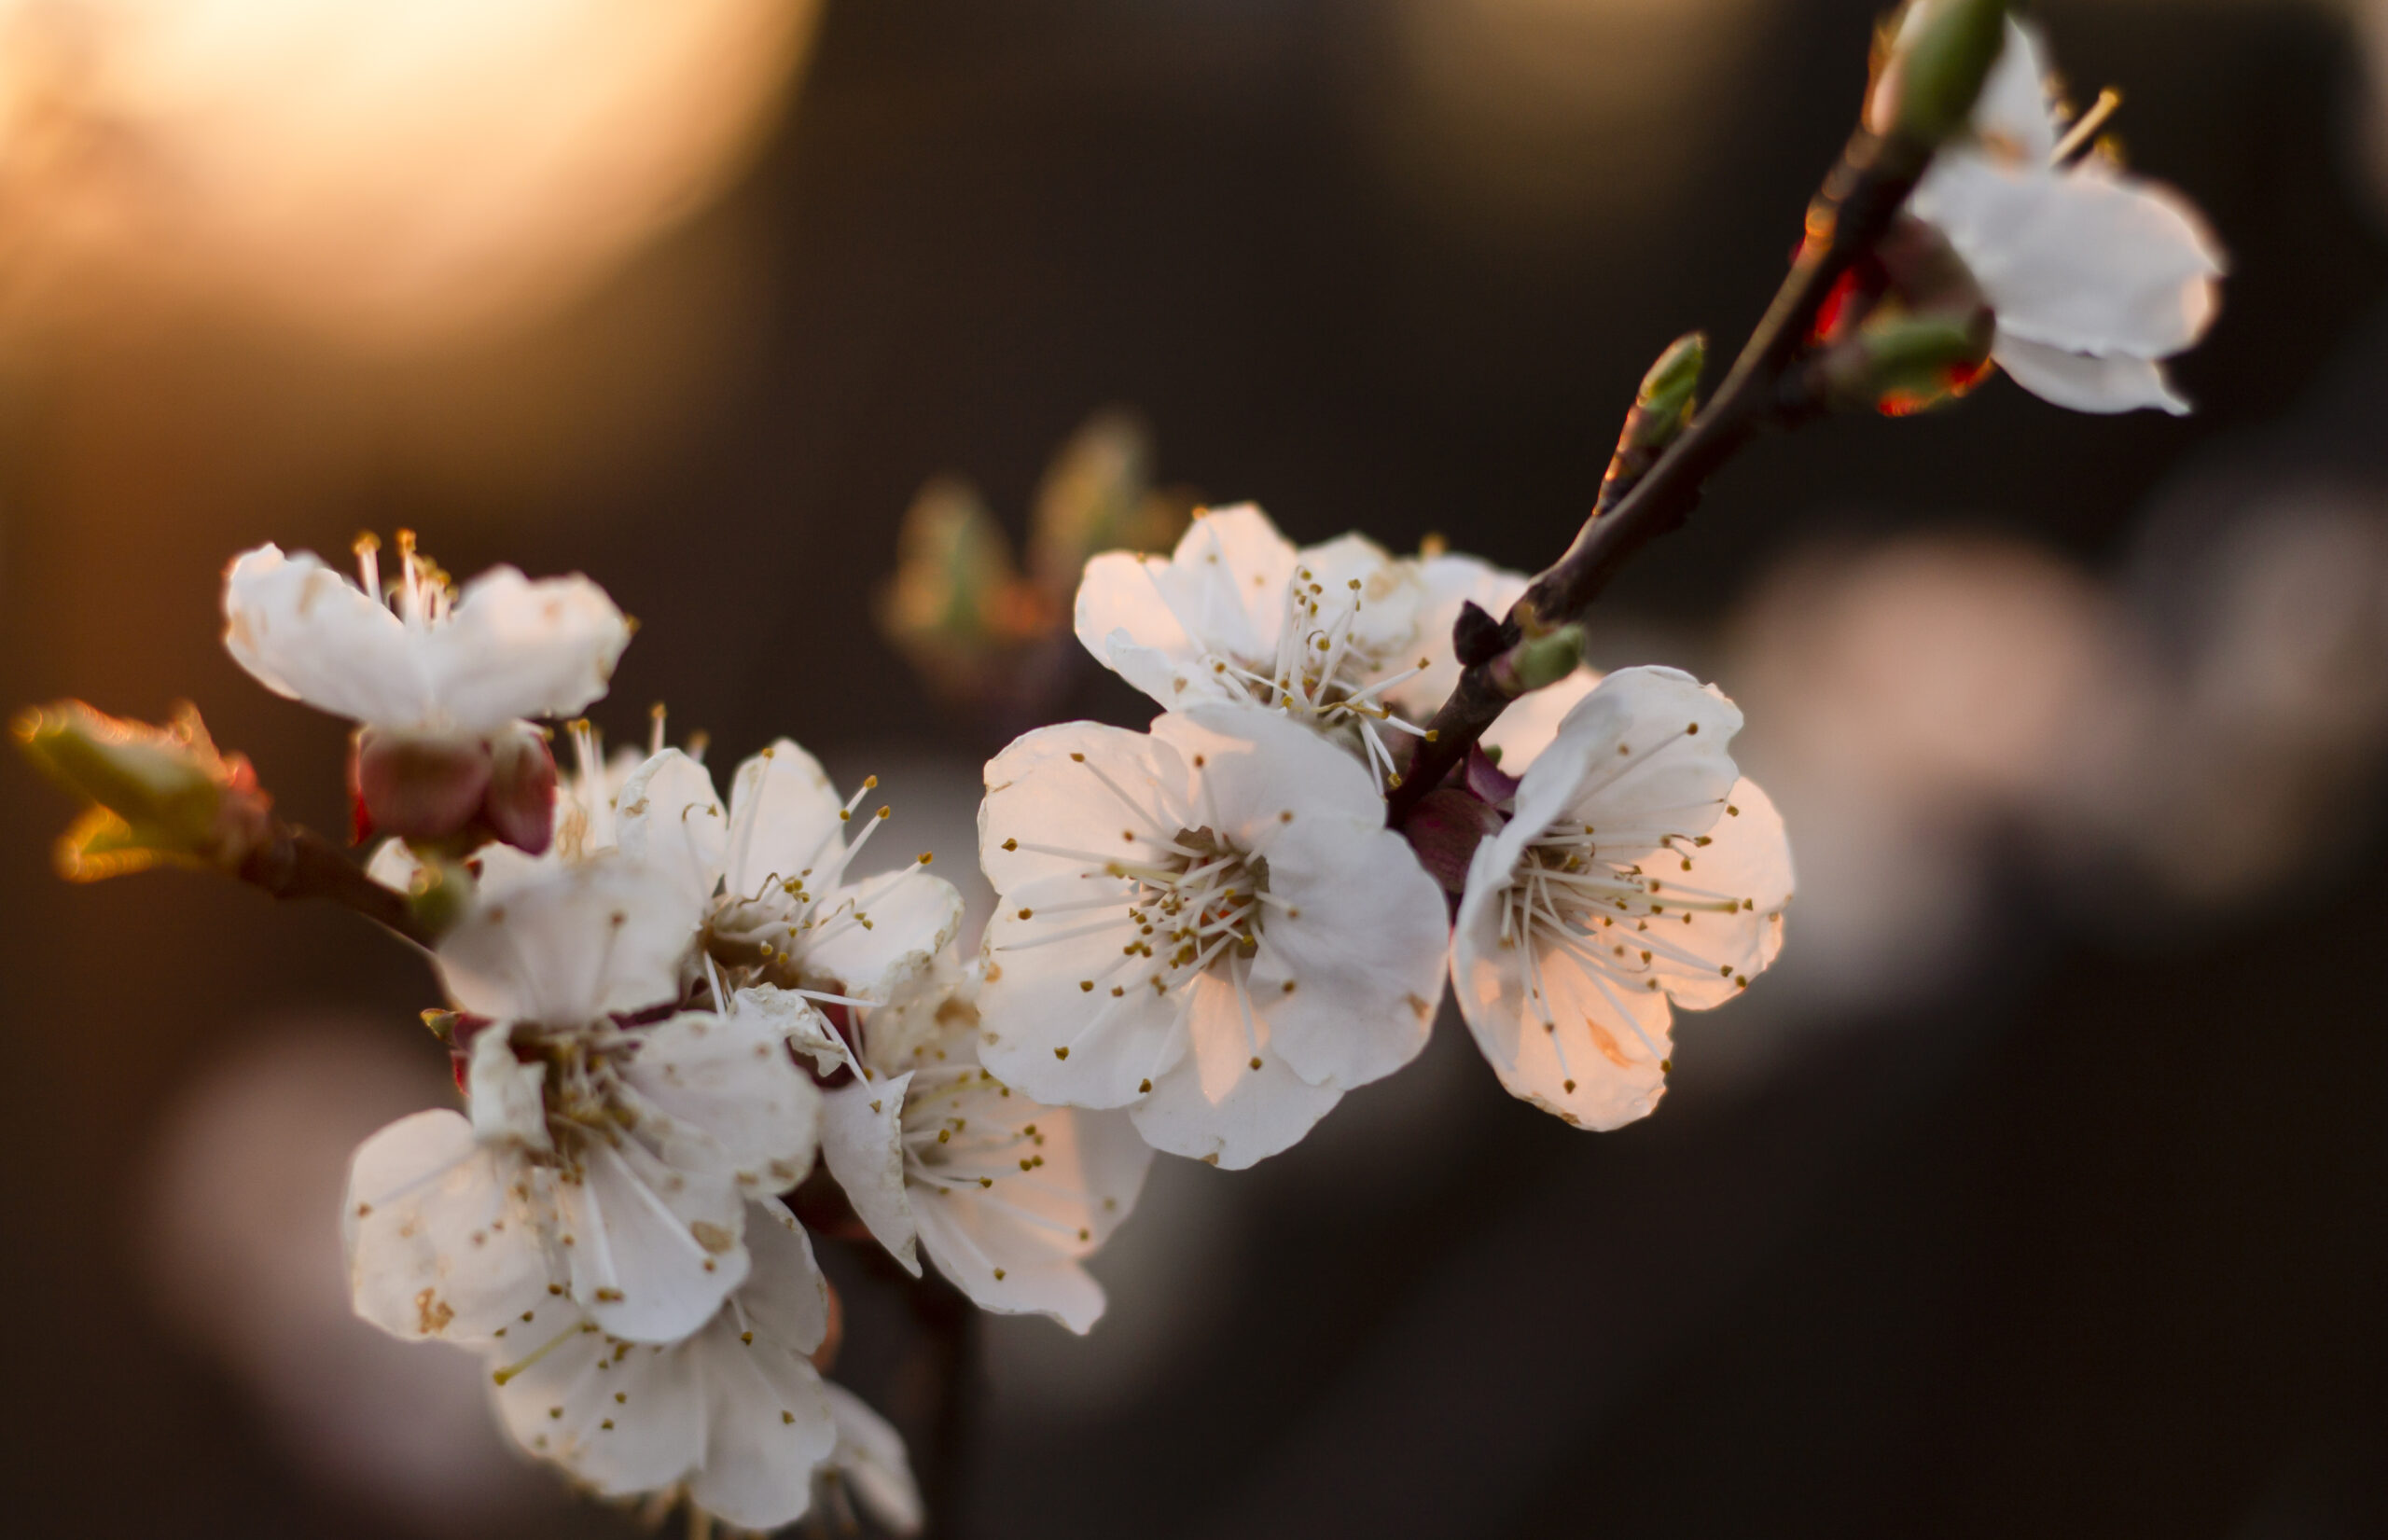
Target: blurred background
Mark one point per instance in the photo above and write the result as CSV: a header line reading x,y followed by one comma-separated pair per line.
x,y
2043,1189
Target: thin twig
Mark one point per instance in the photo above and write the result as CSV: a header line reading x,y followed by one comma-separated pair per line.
x,y
1859,200
299,863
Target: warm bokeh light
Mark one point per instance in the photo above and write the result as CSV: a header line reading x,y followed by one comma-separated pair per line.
x,y
389,174
1531,114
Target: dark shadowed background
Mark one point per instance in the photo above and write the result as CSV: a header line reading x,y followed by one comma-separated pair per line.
x,y
2045,1198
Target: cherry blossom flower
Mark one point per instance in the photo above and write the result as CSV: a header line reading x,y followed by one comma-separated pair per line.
x,y
1005,1194
439,680
608,1154
431,659
1207,923
1237,614
734,1414
769,875
2095,277
1638,872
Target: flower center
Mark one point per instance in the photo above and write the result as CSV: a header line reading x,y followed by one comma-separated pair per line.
x,y
775,933
1621,921
1323,669
422,594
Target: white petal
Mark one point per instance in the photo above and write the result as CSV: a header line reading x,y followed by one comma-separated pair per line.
x,y
1049,789
1350,971
2087,261
1061,1290
1213,1105
796,1021
1530,723
912,916
394,866
513,647
1072,1019
1747,861
504,1095
932,1022
870,1459
626,1417
1588,1048
442,1238
1389,596
1010,1237
766,1427
1123,619
653,1250
719,1096
2079,382
862,1139
784,1298
1258,766
1642,756
1225,582
2011,114
783,819
672,823
568,946
307,633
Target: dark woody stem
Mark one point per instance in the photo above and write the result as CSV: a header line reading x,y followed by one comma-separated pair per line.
x,y
1855,208
298,863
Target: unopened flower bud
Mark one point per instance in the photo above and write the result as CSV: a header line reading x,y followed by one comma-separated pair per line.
x,y
520,806
1669,389
156,795
1942,52
1539,661
416,785
1907,364
1663,409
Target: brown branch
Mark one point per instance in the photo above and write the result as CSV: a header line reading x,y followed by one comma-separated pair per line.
x,y
298,863
1859,200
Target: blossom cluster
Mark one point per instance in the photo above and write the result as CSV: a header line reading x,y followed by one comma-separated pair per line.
x,y
692,1033
1210,924
667,1012
679,1019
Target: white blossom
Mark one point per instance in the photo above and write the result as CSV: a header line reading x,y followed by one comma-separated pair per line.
x,y
734,1414
868,1462
1207,923
608,1155
1005,1194
1238,614
2095,277
1638,872
768,874
430,659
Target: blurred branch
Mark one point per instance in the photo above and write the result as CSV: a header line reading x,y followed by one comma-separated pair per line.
x,y
296,862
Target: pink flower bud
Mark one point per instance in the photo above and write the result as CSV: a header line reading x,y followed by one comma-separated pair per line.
x,y
520,808
416,785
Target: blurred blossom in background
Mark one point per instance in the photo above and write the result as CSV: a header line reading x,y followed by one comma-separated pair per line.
x,y
241,1262
2038,1190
